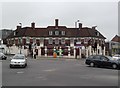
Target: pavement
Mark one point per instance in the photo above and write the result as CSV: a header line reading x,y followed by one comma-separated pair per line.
x,y
58,57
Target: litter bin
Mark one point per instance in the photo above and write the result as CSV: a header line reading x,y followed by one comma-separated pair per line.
x,y
54,54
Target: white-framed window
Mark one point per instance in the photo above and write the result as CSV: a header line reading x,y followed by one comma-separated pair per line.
x,y
97,33
6,33
27,40
34,40
19,40
42,40
13,40
56,41
63,41
86,40
56,32
63,32
14,33
72,40
50,41
50,33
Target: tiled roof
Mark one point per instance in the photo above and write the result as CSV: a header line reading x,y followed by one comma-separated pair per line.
x,y
88,32
116,39
44,32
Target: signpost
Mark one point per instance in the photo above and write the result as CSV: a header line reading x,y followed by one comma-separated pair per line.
x,y
79,46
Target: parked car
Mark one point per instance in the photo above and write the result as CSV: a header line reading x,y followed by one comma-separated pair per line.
x,y
2,56
102,61
116,56
18,60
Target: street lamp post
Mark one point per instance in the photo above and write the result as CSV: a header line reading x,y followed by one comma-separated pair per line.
x,y
20,24
76,23
20,45
76,38
20,40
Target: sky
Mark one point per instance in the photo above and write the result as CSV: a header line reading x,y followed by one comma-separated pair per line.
x,y
104,15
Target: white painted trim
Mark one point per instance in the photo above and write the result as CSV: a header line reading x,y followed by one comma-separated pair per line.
x,y
23,37
46,38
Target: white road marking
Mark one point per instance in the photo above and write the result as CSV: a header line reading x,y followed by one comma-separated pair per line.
x,y
21,72
49,70
42,77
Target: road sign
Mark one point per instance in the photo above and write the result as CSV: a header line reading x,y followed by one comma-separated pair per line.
x,y
78,47
78,43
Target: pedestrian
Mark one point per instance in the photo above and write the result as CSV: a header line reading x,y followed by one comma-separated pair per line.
x,y
34,53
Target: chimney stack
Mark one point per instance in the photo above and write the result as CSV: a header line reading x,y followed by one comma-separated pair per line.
x,y
56,22
18,27
80,25
33,25
94,27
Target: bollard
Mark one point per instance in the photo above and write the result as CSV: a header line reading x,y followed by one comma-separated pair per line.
x,y
55,55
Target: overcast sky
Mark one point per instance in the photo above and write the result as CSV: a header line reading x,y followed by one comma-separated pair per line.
x,y
102,14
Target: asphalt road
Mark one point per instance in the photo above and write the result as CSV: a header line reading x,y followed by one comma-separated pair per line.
x,y
57,72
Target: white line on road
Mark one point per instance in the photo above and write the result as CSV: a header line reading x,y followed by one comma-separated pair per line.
x,y
49,70
20,72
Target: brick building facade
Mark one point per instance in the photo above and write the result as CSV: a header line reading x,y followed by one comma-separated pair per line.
x,y
81,41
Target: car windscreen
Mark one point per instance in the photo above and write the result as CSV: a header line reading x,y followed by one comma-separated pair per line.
x,y
18,57
1,54
116,56
109,57
118,60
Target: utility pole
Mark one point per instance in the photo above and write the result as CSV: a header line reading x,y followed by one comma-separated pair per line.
x,y
76,38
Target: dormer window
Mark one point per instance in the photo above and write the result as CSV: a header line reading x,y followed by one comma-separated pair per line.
x,y
63,32
14,33
50,33
56,32
97,33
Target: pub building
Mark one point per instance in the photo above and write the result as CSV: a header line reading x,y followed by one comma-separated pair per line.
x,y
80,41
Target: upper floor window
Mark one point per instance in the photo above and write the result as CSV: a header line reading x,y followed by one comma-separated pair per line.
x,y
63,32
50,41
63,41
56,32
72,40
50,33
56,41
27,40
14,33
34,40
20,40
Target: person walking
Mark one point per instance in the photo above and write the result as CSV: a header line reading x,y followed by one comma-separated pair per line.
x,y
34,53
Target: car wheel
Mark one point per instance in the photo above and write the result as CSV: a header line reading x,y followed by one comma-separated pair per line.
x,y
10,66
92,64
5,58
114,66
26,64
